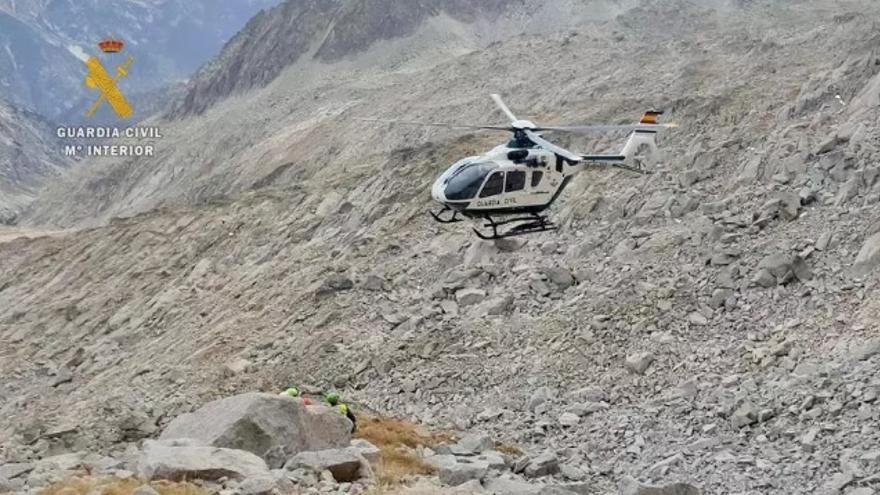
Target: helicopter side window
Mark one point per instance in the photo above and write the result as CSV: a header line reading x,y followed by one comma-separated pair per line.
x,y
515,181
536,178
494,185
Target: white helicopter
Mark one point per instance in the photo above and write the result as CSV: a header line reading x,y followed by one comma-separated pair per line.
x,y
511,185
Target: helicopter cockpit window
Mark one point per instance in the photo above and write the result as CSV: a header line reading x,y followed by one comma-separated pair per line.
x,y
536,177
515,181
494,185
467,181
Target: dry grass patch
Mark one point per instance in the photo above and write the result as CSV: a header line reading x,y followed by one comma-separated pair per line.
x,y
396,440
511,450
116,486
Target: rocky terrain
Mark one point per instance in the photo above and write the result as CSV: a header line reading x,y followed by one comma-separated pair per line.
x,y
714,323
321,29
29,155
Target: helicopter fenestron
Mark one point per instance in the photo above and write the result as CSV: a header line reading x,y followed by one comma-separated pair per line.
x,y
508,188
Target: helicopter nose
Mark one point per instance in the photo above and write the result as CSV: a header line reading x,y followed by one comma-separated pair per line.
x,y
437,191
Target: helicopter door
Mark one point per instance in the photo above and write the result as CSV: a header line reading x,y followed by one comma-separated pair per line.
x,y
515,181
493,186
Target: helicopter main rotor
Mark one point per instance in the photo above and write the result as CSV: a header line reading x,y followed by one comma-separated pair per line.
x,y
526,129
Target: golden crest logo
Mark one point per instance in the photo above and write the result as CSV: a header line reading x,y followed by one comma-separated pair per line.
x,y
98,78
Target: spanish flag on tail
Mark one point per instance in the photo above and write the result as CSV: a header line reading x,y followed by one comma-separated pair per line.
x,y
650,117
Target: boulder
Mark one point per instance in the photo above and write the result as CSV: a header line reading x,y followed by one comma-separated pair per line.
x,y
569,419
175,460
496,305
15,469
510,244
338,281
800,268
560,277
512,487
542,465
460,470
63,462
329,205
370,452
823,241
744,416
783,269
629,486
558,490
573,473
495,460
467,297
868,257
373,282
347,465
539,396
848,191
145,490
473,444
638,363
480,253
790,205
270,426
261,485
7,486
764,278
779,265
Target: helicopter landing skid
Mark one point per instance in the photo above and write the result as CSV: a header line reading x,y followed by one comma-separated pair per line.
x,y
522,226
439,215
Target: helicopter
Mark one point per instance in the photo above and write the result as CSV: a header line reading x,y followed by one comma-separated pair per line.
x,y
508,188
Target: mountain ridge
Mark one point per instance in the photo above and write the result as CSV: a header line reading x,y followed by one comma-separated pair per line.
x,y
168,39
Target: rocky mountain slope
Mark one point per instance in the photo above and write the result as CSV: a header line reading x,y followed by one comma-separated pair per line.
x,y
168,38
29,155
715,322
325,30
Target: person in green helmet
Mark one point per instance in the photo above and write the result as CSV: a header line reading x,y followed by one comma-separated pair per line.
x,y
332,398
290,392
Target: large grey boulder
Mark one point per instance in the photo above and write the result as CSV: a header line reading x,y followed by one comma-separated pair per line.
x,y
182,460
781,269
346,465
272,427
542,465
7,486
561,277
629,486
473,444
462,471
508,486
15,469
370,452
868,257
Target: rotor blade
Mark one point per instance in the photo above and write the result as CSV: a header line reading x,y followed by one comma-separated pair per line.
x,y
439,124
552,147
587,129
497,99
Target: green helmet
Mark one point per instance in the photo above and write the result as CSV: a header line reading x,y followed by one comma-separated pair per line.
x,y
292,391
332,398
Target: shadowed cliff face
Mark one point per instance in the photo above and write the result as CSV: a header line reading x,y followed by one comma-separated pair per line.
x,y
325,30
28,155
